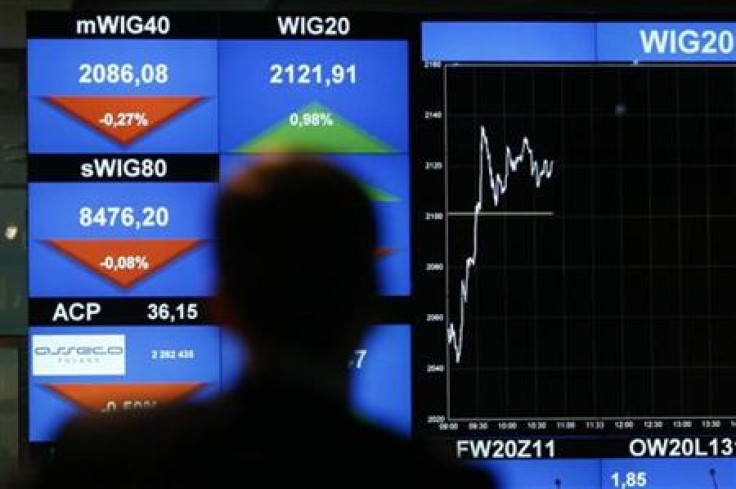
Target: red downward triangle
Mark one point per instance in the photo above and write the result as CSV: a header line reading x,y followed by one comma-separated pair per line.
x,y
118,397
124,119
124,261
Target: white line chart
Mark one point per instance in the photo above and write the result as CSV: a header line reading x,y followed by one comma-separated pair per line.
x,y
498,183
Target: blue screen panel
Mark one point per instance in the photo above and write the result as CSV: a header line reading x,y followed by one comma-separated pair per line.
x,y
545,474
75,227
670,473
78,370
381,375
262,83
56,69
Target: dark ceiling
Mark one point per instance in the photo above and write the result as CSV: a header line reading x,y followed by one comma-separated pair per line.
x,y
488,6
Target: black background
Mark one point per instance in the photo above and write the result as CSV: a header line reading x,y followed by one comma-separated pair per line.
x,y
620,304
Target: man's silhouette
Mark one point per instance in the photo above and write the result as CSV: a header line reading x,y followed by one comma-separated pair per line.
x,y
295,241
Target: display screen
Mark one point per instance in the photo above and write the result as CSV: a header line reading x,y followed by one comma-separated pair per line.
x,y
555,213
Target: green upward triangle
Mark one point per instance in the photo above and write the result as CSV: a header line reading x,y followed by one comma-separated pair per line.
x,y
375,194
340,137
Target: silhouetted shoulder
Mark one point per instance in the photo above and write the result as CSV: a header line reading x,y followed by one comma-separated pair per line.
x,y
213,444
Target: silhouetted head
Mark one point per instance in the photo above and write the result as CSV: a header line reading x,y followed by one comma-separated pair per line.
x,y
296,240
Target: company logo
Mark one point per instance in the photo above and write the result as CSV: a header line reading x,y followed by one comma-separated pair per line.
x,y
78,354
